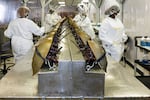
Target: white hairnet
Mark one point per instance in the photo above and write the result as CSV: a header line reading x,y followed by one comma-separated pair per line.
x,y
82,8
23,11
24,7
111,6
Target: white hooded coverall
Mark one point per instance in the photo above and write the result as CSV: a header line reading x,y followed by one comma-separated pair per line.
x,y
113,37
21,32
86,26
84,22
112,33
51,20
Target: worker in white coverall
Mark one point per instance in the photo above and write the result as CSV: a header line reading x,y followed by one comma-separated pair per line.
x,y
84,22
111,32
51,19
21,32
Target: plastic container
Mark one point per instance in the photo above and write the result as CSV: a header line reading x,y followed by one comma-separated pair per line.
x,y
148,41
143,41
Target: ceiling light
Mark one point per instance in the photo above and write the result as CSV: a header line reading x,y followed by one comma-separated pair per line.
x,y
61,3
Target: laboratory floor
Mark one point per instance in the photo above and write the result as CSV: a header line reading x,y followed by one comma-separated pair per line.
x,y
145,80
9,63
120,83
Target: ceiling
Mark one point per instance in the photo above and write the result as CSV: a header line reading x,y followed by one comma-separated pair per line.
x,y
67,2
53,3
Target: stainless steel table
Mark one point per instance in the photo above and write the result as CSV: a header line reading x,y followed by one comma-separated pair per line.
x,y
71,79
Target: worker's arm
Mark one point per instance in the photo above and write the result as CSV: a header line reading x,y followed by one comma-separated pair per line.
x,y
8,32
36,30
103,31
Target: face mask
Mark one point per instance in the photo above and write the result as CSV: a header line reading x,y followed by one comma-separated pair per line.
x,y
26,15
114,13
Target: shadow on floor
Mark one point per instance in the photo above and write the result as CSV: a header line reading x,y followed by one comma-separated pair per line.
x,y
1,75
145,80
9,64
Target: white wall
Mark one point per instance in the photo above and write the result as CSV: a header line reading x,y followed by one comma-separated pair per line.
x,y
136,21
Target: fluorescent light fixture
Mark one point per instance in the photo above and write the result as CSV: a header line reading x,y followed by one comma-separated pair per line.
x,y
31,2
2,14
85,0
61,3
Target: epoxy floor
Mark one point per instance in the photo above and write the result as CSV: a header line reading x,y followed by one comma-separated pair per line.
x,y
119,81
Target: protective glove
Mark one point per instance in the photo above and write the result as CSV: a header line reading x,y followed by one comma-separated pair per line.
x,y
125,37
42,29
